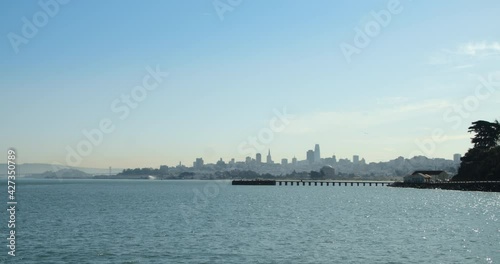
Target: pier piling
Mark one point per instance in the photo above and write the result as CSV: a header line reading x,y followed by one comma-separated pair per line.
x,y
310,182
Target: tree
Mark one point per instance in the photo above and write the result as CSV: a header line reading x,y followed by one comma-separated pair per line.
x,y
482,162
316,175
487,134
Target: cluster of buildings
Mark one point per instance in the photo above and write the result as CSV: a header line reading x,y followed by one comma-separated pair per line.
x,y
314,162
313,157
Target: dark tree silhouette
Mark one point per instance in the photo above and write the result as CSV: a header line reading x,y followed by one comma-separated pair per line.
x,y
482,162
316,175
487,134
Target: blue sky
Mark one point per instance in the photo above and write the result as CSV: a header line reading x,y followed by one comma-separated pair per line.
x,y
228,75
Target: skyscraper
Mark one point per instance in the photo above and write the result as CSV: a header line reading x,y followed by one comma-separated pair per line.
x,y
317,155
355,159
258,157
269,160
198,164
456,158
310,156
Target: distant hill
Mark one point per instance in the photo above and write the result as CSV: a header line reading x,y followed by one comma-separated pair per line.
x,y
62,174
37,168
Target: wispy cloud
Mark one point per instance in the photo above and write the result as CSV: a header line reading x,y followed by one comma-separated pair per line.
x,y
364,119
466,55
480,48
392,100
459,67
423,107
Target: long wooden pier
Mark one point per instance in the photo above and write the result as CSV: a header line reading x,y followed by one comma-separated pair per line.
x,y
331,183
311,182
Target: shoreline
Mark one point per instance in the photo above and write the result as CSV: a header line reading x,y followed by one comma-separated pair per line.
x,y
481,186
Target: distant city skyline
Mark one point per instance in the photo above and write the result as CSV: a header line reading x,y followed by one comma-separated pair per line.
x,y
312,156
343,167
378,79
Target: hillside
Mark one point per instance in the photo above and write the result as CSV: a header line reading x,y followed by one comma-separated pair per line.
x,y
37,168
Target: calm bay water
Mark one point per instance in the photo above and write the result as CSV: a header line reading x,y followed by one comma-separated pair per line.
x,y
119,221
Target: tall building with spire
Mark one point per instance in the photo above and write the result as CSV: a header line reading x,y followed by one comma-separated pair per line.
x,y
269,160
317,155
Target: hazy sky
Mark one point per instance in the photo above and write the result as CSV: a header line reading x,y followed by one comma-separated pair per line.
x,y
355,80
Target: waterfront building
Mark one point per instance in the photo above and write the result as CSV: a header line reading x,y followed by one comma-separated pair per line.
x,y
417,178
435,176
